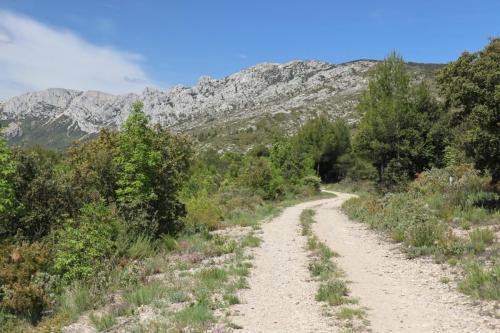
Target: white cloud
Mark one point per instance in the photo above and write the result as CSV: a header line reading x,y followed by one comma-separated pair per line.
x,y
35,56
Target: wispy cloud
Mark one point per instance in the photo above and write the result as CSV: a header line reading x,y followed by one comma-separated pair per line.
x,y
35,56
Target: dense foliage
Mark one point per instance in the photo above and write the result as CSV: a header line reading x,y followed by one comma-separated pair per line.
x,y
471,89
7,194
399,132
451,150
77,217
68,216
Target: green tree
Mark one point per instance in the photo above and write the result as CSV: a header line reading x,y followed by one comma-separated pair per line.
x,y
324,141
152,165
92,168
293,163
137,161
399,131
260,175
471,89
43,191
86,242
172,172
382,105
7,194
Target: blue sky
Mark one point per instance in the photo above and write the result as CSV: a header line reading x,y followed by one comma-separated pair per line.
x,y
124,45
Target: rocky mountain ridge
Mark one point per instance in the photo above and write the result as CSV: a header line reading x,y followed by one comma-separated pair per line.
x,y
64,115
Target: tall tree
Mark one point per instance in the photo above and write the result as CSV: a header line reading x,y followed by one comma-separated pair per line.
x,y
395,132
382,105
172,172
151,165
471,89
323,141
7,194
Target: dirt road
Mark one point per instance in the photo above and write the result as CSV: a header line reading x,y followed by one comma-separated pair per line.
x,y
281,294
401,295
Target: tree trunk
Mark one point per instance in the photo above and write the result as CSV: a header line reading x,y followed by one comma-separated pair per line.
x,y
381,173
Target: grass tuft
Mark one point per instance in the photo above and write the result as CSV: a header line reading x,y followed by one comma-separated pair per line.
x,y
481,282
194,316
103,321
146,294
333,292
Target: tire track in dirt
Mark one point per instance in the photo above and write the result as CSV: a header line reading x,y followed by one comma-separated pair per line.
x,y
281,294
402,295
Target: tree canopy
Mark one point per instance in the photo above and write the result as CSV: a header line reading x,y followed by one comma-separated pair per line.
x,y
396,129
471,90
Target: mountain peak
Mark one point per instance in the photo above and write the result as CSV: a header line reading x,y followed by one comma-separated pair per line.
x,y
258,91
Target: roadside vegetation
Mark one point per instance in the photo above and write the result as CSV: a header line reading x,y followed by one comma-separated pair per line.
x,y
89,227
333,288
436,189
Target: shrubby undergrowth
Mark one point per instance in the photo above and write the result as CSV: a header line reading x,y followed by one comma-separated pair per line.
x,y
425,217
74,224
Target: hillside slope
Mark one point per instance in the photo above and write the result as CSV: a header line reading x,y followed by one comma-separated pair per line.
x,y
231,112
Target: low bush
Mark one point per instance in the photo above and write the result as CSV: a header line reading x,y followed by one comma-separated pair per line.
x,y
423,218
146,294
76,299
141,247
482,282
102,321
19,294
203,214
333,292
480,239
86,243
194,315
169,242
313,182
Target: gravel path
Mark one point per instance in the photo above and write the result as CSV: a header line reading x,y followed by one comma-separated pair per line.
x,y
281,294
402,295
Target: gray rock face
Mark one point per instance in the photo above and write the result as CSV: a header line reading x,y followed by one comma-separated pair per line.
x,y
13,130
268,88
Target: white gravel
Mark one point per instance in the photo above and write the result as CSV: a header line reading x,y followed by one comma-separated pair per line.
x,y
402,295
281,294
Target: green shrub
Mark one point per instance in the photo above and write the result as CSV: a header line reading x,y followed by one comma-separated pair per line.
x,y
142,247
85,243
146,294
480,239
11,323
333,292
322,268
76,299
203,214
19,292
212,278
423,232
250,241
219,245
102,321
169,242
195,315
263,177
482,282
312,182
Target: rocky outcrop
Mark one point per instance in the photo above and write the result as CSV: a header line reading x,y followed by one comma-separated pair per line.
x,y
262,88
265,89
